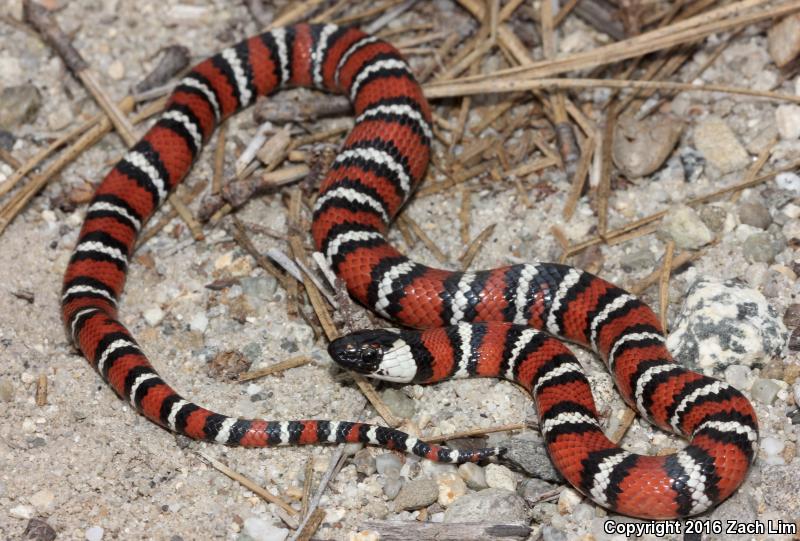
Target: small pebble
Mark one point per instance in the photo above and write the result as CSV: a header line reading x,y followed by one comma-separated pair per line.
x,y
788,181
765,390
491,505
739,376
568,500
783,40
398,403
387,462
199,322
42,500
116,70
260,530
552,534
451,487
94,533
19,105
474,476
755,214
417,494
22,511
533,489
6,390
392,486
364,462
787,120
153,316
719,145
685,227
760,247
499,476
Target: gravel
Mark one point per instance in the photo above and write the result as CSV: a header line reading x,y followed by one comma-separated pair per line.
x,y
86,446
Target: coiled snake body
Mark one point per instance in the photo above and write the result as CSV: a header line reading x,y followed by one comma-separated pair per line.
x,y
379,165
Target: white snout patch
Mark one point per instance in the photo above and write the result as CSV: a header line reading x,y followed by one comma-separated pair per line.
x,y
398,364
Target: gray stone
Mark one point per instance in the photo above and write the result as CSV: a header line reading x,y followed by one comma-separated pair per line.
x,y
781,485
719,145
725,323
392,487
765,390
473,475
783,40
552,534
527,452
755,214
637,260
641,147
259,287
364,462
493,504
789,182
761,247
714,217
19,105
6,390
533,489
398,403
417,494
693,164
386,462
685,227
787,120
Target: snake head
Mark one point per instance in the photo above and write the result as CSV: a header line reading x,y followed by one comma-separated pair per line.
x,y
381,354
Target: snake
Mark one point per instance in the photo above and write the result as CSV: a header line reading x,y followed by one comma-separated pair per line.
x,y
506,323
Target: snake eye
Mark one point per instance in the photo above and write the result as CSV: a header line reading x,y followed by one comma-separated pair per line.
x,y
371,355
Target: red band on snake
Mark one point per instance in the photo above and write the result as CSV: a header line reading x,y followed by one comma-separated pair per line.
x,y
382,160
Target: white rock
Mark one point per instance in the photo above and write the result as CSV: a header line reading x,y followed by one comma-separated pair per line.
x,y
116,70
788,181
726,323
22,511
199,322
787,120
42,500
740,377
498,476
474,476
719,145
451,487
95,533
568,500
796,391
772,446
261,530
686,228
153,316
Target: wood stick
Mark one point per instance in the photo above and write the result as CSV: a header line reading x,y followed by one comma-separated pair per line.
x,y
663,284
504,86
472,432
453,531
249,484
282,366
15,205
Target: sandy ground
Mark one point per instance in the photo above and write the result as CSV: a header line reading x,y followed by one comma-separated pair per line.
x,y
86,460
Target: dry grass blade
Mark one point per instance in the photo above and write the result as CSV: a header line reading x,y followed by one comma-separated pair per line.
x,y
663,284
579,179
472,432
477,244
249,484
653,278
421,235
276,368
20,199
311,525
41,390
503,86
